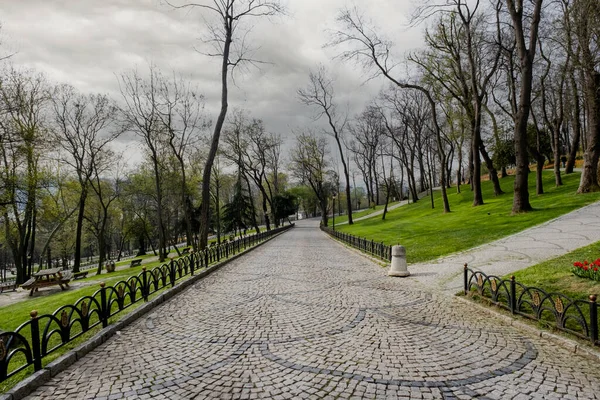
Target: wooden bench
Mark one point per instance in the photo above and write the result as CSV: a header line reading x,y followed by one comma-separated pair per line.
x,y
80,274
8,285
135,263
185,251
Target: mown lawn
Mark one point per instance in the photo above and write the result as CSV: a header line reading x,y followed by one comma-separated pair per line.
x,y
344,218
429,233
555,276
13,315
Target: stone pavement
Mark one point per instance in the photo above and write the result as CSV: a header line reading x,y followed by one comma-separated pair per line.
x,y
302,317
551,239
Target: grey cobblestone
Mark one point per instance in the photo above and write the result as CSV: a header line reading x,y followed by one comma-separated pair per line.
x,y
303,318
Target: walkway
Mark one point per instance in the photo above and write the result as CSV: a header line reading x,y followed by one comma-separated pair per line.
x,y
303,317
512,253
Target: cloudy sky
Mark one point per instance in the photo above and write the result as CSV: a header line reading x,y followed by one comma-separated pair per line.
x,y
89,42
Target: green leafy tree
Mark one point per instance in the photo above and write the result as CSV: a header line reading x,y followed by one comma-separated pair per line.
x,y
284,205
237,214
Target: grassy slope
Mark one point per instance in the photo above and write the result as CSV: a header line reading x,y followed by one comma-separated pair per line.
x,y
428,233
344,218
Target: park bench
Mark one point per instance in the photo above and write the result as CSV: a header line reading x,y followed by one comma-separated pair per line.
x,y
185,251
80,274
12,285
135,263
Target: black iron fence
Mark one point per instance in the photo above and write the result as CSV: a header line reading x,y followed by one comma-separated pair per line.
x,y
578,317
377,249
43,335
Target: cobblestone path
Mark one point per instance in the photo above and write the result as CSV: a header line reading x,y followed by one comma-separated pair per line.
x,y
302,317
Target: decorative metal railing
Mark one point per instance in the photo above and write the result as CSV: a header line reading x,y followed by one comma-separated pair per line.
x,y
376,249
578,317
42,335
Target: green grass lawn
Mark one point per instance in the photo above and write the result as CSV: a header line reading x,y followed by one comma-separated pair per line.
x,y
429,233
344,218
555,275
13,315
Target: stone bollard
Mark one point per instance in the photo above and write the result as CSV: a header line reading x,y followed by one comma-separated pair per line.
x,y
399,267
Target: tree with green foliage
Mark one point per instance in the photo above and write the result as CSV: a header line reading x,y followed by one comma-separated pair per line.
x,y
237,214
284,205
23,100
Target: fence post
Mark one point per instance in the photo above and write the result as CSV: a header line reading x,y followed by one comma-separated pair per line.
x,y
206,258
103,305
593,319
172,272
35,341
145,289
192,263
466,278
513,295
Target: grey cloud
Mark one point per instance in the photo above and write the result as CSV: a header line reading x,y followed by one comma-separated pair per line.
x,y
88,42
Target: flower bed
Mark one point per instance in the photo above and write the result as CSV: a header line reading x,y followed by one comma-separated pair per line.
x,y
586,269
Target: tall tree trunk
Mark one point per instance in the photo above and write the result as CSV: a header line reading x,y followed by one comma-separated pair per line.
x,y
576,137
102,242
323,206
539,183
476,178
254,222
162,240
589,176
214,146
556,140
79,229
521,191
492,170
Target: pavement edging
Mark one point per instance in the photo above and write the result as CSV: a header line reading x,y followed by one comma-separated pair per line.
x,y
566,343
37,379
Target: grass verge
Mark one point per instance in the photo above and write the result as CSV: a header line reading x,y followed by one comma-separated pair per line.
x,y
362,213
429,233
555,276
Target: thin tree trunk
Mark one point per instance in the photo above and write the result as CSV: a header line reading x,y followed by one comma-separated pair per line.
x,y
576,138
214,146
79,229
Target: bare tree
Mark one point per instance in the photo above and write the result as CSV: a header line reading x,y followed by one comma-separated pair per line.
x,y
309,164
107,189
319,93
525,25
180,110
372,52
229,13
461,59
84,125
142,113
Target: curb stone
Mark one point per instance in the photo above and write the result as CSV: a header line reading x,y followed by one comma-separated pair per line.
x,y
32,382
567,344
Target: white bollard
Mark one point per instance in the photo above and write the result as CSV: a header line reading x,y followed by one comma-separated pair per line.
x,y
399,267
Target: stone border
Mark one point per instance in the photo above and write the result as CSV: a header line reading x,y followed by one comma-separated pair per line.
x,y
37,379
